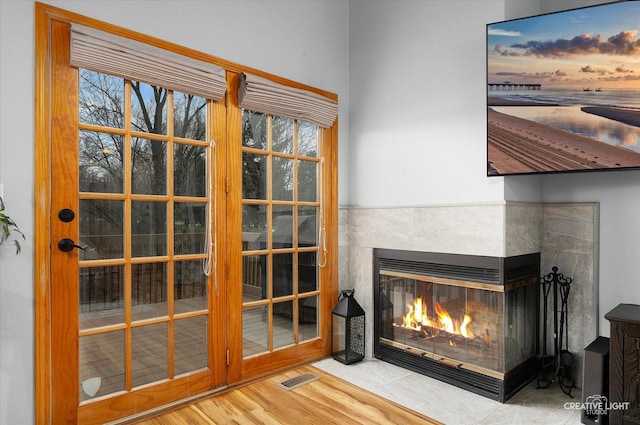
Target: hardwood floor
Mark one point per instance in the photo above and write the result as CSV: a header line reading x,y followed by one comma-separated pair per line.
x,y
327,400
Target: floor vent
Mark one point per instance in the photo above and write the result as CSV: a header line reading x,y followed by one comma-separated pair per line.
x,y
292,383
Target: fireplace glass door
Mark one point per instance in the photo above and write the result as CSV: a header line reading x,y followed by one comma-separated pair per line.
x,y
485,328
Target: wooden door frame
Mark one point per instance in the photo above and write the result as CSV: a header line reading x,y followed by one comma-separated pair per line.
x,y
42,219
45,15
241,369
56,84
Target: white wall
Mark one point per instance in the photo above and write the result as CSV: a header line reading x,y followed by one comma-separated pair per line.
x,y
304,41
16,173
417,102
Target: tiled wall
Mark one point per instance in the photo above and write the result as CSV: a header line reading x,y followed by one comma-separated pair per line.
x,y
565,234
570,236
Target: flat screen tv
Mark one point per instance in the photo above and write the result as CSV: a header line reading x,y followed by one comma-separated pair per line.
x,y
563,91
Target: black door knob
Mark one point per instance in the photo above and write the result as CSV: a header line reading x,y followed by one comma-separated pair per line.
x,y
66,245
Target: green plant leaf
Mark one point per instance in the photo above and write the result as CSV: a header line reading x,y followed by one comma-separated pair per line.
x,y
9,229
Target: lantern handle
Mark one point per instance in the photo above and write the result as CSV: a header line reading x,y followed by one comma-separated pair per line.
x,y
346,293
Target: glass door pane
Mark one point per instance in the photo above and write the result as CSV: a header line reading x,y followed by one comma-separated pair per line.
x,y
144,307
280,272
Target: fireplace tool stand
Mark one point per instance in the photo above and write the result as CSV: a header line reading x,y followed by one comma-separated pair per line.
x,y
556,367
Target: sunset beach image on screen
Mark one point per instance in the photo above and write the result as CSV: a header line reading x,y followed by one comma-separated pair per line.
x,y
563,91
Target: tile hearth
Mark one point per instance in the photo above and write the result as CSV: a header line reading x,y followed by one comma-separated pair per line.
x,y
451,405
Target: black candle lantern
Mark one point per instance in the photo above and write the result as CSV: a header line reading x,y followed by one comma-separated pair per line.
x,y
347,328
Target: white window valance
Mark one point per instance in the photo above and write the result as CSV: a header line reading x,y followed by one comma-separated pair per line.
x,y
263,95
111,54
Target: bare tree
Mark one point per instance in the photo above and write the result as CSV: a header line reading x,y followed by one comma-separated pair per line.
x,y
101,153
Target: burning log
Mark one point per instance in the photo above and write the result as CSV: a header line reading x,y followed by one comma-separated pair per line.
x,y
436,335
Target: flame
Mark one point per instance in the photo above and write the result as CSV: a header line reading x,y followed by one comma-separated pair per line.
x,y
445,319
464,327
417,318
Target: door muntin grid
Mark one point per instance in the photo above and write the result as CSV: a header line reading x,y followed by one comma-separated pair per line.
x,y
143,295
281,207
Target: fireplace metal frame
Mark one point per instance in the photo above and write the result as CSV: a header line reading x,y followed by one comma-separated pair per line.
x,y
485,270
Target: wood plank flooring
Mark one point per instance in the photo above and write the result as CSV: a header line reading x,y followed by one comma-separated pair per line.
x,y
328,400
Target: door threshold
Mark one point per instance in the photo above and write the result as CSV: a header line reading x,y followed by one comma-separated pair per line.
x,y
165,407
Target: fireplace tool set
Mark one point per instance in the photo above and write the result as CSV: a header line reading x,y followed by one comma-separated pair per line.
x,y
556,367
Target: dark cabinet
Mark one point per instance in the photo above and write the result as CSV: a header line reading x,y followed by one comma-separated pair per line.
x,y
624,365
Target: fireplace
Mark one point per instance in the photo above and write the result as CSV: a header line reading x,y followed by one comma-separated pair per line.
x,y
467,320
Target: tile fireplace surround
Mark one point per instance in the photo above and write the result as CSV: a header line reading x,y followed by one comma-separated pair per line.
x,y
566,235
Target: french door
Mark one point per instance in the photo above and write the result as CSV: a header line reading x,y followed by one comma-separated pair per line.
x,y
182,244
138,316
283,255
